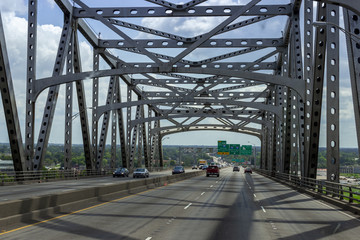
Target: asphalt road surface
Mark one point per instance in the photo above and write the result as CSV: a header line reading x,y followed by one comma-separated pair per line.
x,y
232,206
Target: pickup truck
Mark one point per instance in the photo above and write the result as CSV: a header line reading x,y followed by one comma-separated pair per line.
x,y
213,170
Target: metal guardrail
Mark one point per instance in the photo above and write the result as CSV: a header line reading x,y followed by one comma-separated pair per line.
x,y
48,175
340,191
57,175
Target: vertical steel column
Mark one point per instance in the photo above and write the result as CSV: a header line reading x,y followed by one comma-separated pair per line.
x,y
286,140
50,105
294,127
81,99
332,95
317,92
9,104
30,81
113,124
95,99
352,25
149,137
298,75
105,125
278,130
134,136
68,106
308,77
160,149
121,127
144,139
128,128
113,140
140,139
287,133
264,149
154,142
272,135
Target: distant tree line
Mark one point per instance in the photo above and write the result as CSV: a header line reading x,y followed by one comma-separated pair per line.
x,y
172,154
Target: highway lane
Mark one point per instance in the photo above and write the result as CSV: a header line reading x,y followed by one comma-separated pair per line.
x,y
14,192
233,206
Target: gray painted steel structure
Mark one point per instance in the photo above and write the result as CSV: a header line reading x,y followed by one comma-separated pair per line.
x,y
276,97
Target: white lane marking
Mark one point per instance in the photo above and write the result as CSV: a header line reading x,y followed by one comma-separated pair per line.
x,y
273,225
211,185
148,238
197,198
217,181
250,187
263,208
202,193
254,195
337,228
188,206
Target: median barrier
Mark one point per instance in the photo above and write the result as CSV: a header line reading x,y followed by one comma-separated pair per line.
x,y
39,208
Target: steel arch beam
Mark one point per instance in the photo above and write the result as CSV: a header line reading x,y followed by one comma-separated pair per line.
x,y
42,84
229,130
150,119
164,130
105,108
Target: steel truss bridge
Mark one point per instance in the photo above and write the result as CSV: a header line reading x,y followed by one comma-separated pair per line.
x,y
268,87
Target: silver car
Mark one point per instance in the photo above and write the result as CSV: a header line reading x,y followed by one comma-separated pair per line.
x,y
141,172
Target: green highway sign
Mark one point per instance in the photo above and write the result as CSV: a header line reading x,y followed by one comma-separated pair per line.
x,y
246,150
223,148
234,149
236,160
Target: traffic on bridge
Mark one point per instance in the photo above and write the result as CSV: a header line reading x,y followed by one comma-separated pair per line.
x,y
271,82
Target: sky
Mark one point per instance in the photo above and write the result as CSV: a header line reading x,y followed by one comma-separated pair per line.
x,y
50,20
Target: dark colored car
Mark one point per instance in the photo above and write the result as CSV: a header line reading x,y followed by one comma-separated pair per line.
x,y
236,169
141,172
178,169
213,170
121,172
194,167
247,170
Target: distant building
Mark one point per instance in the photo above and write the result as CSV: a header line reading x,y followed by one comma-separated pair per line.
x,y
6,165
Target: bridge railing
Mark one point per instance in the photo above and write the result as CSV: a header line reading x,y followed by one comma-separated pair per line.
x,y
48,175
7,176
342,192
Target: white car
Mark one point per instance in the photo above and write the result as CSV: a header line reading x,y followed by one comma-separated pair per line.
x,y
141,172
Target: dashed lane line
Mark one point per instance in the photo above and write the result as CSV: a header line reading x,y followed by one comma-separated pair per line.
x,y
263,209
188,206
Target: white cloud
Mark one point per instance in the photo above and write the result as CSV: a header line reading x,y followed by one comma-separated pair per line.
x,y
15,6
15,29
51,3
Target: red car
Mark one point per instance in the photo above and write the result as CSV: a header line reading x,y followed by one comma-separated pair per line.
x,y
247,170
213,170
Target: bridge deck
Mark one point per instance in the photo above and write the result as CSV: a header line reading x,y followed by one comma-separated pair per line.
x,y
233,206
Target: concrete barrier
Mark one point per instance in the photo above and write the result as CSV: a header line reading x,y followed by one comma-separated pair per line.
x,y
39,208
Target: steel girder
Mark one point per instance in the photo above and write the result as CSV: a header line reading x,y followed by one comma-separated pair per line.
x,y
352,24
9,104
208,127
42,84
288,107
30,80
